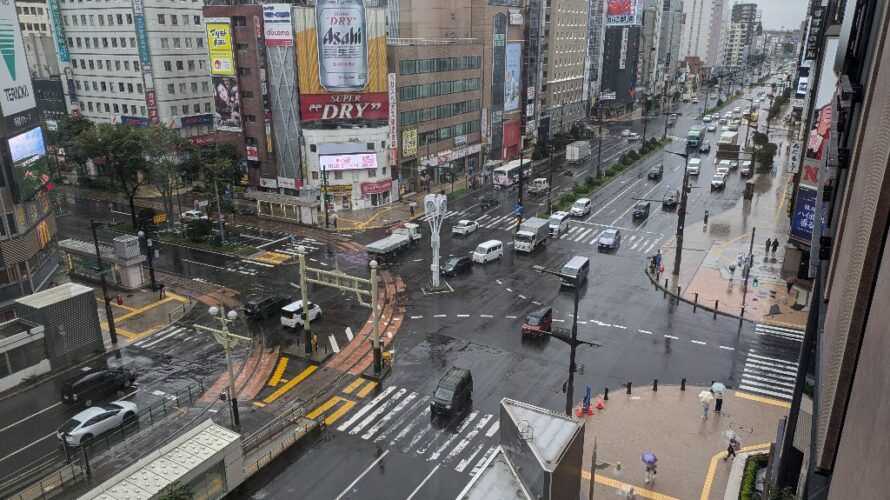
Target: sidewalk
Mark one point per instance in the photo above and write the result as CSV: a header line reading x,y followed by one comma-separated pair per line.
x,y
708,251
668,423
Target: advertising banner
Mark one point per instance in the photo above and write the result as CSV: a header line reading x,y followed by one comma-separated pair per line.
x,y
393,121
814,34
16,93
378,187
141,36
483,125
227,102
512,76
356,161
409,143
341,53
622,13
251,152
219,43
30,167
55,17
622,59
269,183
278,26
287,183
804,218
202,140
196,120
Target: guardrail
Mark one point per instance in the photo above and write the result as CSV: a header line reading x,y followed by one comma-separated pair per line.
x,y
54,483
292,414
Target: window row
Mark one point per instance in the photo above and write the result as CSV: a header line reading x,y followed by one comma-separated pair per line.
x,y
415,66
98,64
116,1
179,43
120,88
131,109
98,20
338,174
444,133
410,92
174,19
183,110
34,11
180,65
437,112
193,87
32,27
93,43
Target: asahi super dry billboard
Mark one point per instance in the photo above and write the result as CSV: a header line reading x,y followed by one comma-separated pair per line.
x,y
341,55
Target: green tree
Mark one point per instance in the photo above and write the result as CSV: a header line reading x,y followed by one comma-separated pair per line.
x,y
765,156
70,127
164,153
119,151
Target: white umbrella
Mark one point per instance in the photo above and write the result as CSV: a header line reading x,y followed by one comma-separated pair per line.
x,y
705,396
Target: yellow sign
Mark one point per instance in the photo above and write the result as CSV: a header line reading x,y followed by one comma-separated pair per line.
x,y
409,143
157,219
339,188
219,43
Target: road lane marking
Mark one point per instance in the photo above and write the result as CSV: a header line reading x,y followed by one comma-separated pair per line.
x,y
462,427
389,415
523,297
416,317
486,316
510,290
427,478
622,486
699,342
478,467
333,417
465,462
349,335
645,331
359,478
671,337
404,432
370,386
334,345
510,317
23,448
353,385
493,429
469,437
620,327
290,384
327,405
463,315
29,417
376,413
359,414
727,348
279,371
440,315
612,201
401,420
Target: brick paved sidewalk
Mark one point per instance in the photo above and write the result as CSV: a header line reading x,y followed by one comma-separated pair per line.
x,y
668,423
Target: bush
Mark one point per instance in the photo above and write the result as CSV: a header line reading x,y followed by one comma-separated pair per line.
x,y
198,230
566,199
632,156
610,172
749,478
579,190
589,181
622,158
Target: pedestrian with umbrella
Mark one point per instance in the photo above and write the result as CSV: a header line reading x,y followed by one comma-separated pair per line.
x,y
650,462
734,444
717,388
705,397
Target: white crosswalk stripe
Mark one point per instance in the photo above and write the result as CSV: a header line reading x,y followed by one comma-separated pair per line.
x,y
771,363
172,333
402,418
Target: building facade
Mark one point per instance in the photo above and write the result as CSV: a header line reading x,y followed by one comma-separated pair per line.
x,y
564,64
594,49
704,21
669,48
37,35
650,70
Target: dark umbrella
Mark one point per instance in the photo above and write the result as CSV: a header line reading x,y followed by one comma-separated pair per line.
x,y
649,458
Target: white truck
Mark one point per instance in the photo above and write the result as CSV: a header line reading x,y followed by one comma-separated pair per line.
x,y
577,151
532,232
538,186
729,138
394,244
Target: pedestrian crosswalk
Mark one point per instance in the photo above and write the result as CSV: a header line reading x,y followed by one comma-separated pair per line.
x,y
168,336
399,419
771,363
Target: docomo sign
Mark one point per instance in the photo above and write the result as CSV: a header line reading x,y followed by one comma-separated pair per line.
x,y
279,30
348,162
318,107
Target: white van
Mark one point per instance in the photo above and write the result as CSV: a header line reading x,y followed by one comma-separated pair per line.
x,y
581,207
559,223
577,266
292,314
490,250
694,166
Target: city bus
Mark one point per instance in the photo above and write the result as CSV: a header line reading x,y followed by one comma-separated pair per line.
x,y
507,175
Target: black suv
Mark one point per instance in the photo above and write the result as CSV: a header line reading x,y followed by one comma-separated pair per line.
x,y
655,172
705,147
641,210
264,306
671,198
456,265
454,389
95,384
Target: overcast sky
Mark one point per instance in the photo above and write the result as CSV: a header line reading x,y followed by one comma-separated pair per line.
x,y
782,13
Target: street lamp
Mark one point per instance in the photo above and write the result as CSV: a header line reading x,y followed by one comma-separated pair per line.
x,y
748,128
573,340
681,215
228,341
151,260
112,331
601,465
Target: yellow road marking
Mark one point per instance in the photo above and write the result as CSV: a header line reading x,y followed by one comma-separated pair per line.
x,y
618,485
730,242
367,389
136,312
761,399
351,387
126,333
290,384
279,371
781,204
327,405
782,323
333,417
177,298
113,303
259,404
709,479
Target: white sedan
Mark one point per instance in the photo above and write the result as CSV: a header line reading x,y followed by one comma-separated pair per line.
x,y
96,420
192,215
464,227
625,132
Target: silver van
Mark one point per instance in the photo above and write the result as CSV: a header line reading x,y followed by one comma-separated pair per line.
x,y
559,223
488,251
576,267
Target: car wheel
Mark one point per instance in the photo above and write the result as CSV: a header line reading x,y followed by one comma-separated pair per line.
x,y
129,418
318,317
85,440
128,383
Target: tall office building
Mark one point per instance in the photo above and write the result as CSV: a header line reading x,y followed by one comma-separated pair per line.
x,y
39,45
595,48
650,70
702,30
748,16
671,32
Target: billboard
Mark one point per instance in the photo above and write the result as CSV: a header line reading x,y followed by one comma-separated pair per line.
x,y
804,217
512,76
622,13
16,94
30,166
356,161
55,18
393,121
278,29
227,104
409,143
341,55
219,43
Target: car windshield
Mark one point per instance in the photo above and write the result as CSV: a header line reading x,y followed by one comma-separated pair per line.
x,y
610,234
641,206
523,238
555,221
452,262
481,249
70,425
443,394
533,320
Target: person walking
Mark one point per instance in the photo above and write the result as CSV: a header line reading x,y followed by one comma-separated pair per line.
x,y
335,221
718,402
733,446
731,272
705,406
651,470
631,494
769,243
775,245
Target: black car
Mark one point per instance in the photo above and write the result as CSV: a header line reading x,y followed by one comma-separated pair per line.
x,y
92,385
641,210
705,147
261,307
655,172
456,265
671,198
489,202
453,391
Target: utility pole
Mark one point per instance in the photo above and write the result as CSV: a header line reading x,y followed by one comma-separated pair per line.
x,y
112,332
521,182
681,215
228,341
550,184
324,191
304,296
222,231
599,148
747,272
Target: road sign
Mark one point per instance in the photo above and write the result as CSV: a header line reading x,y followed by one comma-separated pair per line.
x,y
157,219
202,203
518,209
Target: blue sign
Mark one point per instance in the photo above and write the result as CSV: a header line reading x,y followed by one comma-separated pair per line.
x,y
195,120
518,209
134,121
803,220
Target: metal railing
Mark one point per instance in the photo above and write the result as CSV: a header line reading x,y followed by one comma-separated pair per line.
x,y
54,483
293,414
430,41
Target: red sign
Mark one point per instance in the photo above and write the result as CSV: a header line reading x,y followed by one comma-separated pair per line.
x,y
619,7
376,187
252,153
320,107
150,98
202,140
258,27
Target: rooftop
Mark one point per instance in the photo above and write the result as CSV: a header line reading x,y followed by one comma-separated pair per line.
x,y
548,433
54,295
16,326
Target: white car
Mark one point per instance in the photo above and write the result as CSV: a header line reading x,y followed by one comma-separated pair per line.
x,y
292,314
192,215
695,100
718,181
95,421
712,127
625,132
633,137
733,164
706,119
464,227
722,170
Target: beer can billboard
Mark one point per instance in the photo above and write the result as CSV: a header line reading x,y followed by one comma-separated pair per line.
x,y
341,56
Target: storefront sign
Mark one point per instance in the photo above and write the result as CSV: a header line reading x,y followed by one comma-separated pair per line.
x,y
622,59
348,162
336,188
376,187
196,120
278,27
515,17
202,140
814,36
409,143
483,126
219,43
450,155
134,121
287,183
393,121
16,93
269,183
460,140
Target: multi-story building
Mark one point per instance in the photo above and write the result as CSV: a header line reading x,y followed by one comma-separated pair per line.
x,y
671,32
39,45
136,62
704,21
620,70
650,70
28,251
748,16
594,48
732,49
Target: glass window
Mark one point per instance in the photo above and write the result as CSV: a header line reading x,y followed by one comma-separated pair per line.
x,y
179,66
176,43
171,89
161,19
173,19
165,43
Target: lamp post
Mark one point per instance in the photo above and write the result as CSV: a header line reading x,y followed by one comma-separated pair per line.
x,y
324,194
112,332
600,465
748,128
573,339
228,341
681,215
151,262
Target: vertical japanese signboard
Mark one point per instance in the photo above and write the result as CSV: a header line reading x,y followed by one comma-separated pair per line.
x,y
393,122
226,98
278,25
151,100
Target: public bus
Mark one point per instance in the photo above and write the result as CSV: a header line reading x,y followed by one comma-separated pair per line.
x,y
507,175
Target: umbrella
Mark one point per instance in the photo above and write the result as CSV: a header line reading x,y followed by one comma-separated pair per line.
x,y
718,387
705,396
649,458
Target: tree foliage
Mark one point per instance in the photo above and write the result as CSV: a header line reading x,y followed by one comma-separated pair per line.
x,y
164,154
765,156
70,127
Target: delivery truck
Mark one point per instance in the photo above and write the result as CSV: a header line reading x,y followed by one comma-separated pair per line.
x,y
577,151
399,241
532,232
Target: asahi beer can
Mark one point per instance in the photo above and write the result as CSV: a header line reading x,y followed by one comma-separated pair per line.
x,y
342,44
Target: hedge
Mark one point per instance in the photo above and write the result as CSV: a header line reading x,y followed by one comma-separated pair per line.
x,y
749,478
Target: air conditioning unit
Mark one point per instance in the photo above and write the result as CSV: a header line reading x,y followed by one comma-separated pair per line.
x,y
127,247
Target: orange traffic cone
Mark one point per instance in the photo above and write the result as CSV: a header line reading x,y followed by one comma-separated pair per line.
x,y
590,410
599,403
580,411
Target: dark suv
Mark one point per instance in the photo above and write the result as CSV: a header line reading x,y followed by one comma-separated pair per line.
x,y
262,307
453,391
655,172
93,385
